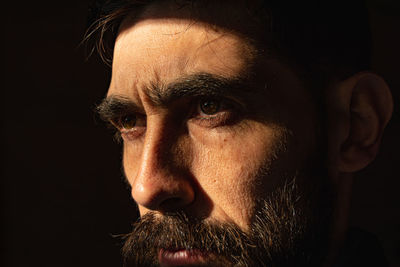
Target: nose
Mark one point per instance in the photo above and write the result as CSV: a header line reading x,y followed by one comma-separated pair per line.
x,y
160,183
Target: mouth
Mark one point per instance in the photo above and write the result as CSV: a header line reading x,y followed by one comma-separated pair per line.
x,y
182,257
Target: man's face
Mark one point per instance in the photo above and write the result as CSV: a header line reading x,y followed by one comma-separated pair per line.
x,y
210,126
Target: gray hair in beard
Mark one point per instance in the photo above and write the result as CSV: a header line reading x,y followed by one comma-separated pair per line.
x,y
290,229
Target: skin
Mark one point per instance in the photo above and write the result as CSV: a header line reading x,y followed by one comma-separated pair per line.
x,y
219,162
177,158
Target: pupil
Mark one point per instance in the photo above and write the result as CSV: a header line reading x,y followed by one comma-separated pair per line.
x,y
128,122
210,107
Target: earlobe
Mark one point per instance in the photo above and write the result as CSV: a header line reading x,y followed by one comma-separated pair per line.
x,y
369,107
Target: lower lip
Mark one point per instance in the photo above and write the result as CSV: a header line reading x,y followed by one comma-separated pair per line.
x,y
169,258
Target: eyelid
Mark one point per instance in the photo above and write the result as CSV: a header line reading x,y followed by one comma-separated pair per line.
x,y
225,102
128,134
136,131
229,112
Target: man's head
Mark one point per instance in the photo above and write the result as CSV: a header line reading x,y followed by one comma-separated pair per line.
x,y
239,147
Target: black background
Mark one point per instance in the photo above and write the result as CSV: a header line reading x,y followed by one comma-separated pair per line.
x,y
62,195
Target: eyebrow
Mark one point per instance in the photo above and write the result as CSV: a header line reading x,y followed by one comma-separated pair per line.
x,y
197,85
201,84
113,107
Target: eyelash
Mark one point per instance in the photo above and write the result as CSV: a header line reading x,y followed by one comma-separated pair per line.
x,y
129,134
227,114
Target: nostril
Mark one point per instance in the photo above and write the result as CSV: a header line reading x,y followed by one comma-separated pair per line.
x,y
173,204
164,197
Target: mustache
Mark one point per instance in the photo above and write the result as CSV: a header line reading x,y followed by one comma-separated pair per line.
x,y
284,233
178,231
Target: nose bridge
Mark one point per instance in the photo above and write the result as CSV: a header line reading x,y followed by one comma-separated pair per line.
x,y
155,145
158,184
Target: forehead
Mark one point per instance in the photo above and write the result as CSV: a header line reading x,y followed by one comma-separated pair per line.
x,y
156,48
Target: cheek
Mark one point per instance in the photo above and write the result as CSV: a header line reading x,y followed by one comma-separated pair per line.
x,y
227,165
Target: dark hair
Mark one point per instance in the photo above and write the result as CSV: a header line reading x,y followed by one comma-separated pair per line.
x,y
324,40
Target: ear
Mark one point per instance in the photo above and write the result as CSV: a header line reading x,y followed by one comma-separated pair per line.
x,y
360,107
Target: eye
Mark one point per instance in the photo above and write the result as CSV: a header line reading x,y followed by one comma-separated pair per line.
x,y
129,126
212,112
127,122
210,106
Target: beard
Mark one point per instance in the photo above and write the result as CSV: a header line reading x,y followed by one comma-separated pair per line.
x,y
291,228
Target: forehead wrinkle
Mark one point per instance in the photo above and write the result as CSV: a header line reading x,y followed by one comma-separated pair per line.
x,y
171,32
208,42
